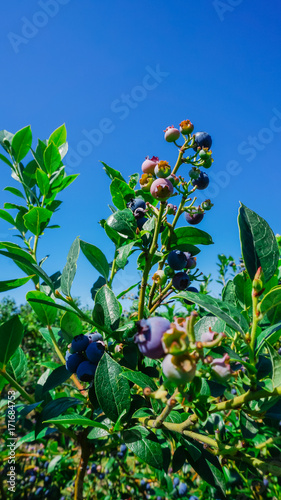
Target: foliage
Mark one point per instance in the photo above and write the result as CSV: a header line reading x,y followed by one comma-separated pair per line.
x,y
207,416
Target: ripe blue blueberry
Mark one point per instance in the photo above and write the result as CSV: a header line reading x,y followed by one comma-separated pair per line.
x,y
136,203
101,476
193,497
182,489
194,217
120,454
141,222
73,361
149,336
181,281
48,480
39,491
94,336
79,343
177,260
32,479
202,140
202,182
123,448
95,351
176,482
94,468
86,371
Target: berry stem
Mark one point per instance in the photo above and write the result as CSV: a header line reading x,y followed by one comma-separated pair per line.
x,y
149,258
14,384
82,467
167,410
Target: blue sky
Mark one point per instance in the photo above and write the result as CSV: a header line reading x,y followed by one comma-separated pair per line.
x,y
120,73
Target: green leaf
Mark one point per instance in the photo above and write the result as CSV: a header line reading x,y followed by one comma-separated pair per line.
x,y
46,335
229,294
71,326
11,333
53,409
107,309
75,419
58,137
70,267
121,193
7,285
37,219
57,377
97,285
6,216
124,252
15,249
140,379
21,143
113,391
248,425
29,174
42,181
5,160
269,335
52,158
96,257
145,445
14,191
222,310
134,178
191,235
45,313
179,243
112,174
243,289
17,365
276,366
123,222
258,243
271,305
27,266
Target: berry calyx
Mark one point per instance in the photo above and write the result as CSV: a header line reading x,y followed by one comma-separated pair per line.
x,y
202,182
149,336
171,134
161,189
149,164
202,140
162,169
177,260
186,127
146,181
181,281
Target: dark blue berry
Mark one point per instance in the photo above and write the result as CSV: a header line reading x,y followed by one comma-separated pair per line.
x,y
176,482
136,203
86,371
101,476
94,352
46,465
202,182
143,482
141,222
48,480
123,448
73,361
177,260
94,336
182,489
190,289
79,343
181,281
120,454
39,491
94,468
202,140
32,479
193,218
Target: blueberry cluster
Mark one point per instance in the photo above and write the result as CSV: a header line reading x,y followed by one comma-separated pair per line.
x,y
138,207
178,260
181,488
84,355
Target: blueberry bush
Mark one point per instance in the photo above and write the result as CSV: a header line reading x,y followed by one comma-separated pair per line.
x,y
179,397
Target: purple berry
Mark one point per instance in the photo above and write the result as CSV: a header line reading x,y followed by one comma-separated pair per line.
x,y
191,261
86,371
149,336
79,343
194,217
149,165
177,260
202,182
181,281
95,351
73,361
161,189
182,489
202,140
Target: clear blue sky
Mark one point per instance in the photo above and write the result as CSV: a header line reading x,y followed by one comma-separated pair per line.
x,y
214,62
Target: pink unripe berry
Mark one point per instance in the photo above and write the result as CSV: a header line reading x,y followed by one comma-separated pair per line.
x,y
221,367
161,189
171,134
207,336
149,165
179,369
